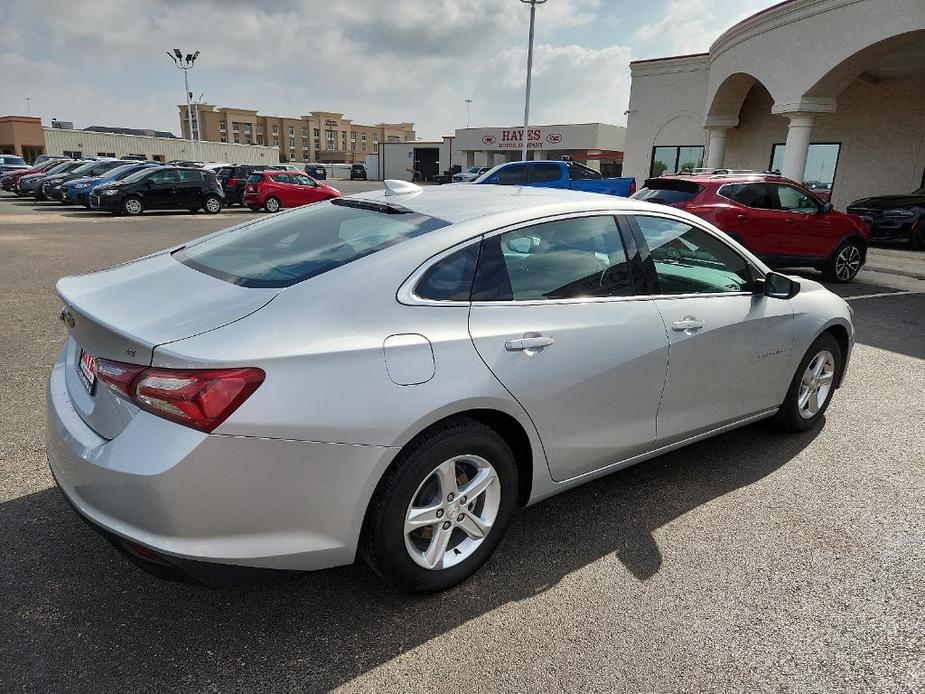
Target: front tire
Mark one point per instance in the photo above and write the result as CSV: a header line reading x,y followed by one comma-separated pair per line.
x,y
844,264
132,206
272,205
443,507
813,385
212,204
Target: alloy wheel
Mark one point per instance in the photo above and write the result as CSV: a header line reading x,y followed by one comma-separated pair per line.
x,y
213,205
272,205
452,512
847,262
816,384
133,206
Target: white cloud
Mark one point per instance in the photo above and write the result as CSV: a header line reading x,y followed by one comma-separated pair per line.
x,y
690,26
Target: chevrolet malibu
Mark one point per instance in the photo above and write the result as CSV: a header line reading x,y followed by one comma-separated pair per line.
x,y
394,374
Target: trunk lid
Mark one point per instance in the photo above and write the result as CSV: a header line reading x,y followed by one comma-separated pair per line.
x,y
122,313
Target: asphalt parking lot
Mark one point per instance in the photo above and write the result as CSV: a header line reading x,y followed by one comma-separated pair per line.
x,y
752,562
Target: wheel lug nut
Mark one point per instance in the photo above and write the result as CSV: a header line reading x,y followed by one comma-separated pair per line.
x,y
462,499
450,496
459,518
446,525
440,513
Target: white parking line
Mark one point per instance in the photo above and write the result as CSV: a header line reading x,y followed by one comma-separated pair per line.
x,y
876,296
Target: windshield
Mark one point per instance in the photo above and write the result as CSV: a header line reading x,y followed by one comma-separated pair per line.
x,y
121,172
473,169
11,160
58,168
138,175
304,243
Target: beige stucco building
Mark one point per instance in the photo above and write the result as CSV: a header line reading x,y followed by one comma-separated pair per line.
x,y
826,91
320,136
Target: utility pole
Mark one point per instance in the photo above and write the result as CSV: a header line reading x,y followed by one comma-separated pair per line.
x,y
533,4
28,105
186,64
468,103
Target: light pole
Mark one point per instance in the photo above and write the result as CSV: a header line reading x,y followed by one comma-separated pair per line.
x,y
533,4
468,103
29,105
198,122
186,64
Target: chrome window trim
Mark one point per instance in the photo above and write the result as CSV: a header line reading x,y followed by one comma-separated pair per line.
x,y
406,292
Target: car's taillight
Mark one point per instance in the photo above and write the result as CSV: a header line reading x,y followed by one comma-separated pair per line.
x,y
232,182
632,187
197,398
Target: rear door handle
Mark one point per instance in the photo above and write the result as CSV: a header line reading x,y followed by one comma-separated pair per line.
x,y
687,325
529,343
744,217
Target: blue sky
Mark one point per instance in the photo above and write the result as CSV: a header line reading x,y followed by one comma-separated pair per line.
x,y
102,62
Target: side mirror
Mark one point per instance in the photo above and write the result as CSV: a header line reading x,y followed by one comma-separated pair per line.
x,y
826,208
149,183
493,179
777,286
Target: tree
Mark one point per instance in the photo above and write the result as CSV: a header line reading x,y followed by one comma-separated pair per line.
x,y
658,168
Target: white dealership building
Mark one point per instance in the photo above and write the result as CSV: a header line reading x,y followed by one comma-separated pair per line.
x,y
831,92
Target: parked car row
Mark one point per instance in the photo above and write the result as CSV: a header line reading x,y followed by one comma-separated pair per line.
x,y
130,187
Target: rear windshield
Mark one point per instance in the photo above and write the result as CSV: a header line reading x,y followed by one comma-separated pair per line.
x,y
304,243
667,191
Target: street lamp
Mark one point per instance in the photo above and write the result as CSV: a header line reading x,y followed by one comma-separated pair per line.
x,y
468,103
533,4
186,64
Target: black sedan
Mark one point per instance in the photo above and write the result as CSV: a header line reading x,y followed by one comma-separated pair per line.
x,y
894,217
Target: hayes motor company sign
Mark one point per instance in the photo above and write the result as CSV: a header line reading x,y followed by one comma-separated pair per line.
x,y
512,138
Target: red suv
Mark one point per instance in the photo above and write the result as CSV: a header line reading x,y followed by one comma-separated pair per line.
x,y
273,190
775,218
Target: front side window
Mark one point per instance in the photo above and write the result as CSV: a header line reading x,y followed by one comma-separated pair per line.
x,y
689,260
792,200
303,243
565,259
163,177
281,178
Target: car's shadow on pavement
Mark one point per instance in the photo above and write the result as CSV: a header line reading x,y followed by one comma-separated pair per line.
x,y
78,615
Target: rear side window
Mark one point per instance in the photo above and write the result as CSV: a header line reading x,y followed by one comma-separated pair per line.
x,y
450,279
667,192
190,175
255,178
760,196
564,259
304,243
163,177
544,173
281,178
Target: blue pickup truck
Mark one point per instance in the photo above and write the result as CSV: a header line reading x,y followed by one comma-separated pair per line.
x,y
556,174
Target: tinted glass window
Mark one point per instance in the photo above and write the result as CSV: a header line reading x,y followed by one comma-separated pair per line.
x,y
304,243
581,172
688,260
281,178
760,196
302,180
451,278
187,175
162,177
512,176
255,178
543,173
571,258
12,160
667,191
792,200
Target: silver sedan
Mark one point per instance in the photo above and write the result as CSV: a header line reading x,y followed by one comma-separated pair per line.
x,y
393,374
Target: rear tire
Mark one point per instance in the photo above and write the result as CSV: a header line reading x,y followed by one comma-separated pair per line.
x,y
813,385
272,205
253,208
132,206
917,238
844,264
212,204
434,472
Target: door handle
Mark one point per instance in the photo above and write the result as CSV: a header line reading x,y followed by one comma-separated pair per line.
x,y
687,325
526,344
788,221
744,217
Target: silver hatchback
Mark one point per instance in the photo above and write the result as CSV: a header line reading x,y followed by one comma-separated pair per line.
x,y
395,373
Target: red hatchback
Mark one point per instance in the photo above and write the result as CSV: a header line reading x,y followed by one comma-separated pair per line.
x,y
775,218
273,190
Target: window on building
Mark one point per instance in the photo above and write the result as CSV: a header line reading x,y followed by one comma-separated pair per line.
x,y
237,138
565,259
276,130
222,126
363,137
248,140
260,130
304,132
260,139
291,132
353,136
821,163
74,154
276,142
364,146
675,158
235,127
111,155
223,138
247,128
330,134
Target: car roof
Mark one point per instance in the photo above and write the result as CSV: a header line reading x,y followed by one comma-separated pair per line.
x,y
721,178
463,201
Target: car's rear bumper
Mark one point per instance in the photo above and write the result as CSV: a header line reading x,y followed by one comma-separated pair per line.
x,y
171,496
